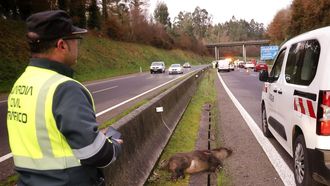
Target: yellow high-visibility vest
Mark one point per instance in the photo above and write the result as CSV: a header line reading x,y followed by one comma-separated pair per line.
x,y
35,141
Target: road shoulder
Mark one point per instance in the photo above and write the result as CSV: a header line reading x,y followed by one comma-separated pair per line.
x,y
249,164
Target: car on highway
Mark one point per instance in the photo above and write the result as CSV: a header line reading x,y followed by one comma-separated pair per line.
x,y
175,69
261,66
241,64
232,66
186,65
157,66
249,65
295,104
223,65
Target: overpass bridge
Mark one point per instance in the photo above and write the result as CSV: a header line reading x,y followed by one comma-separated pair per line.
x,y
217,46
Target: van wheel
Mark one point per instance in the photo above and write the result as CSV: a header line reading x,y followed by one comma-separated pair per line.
x,y
264,124
302,169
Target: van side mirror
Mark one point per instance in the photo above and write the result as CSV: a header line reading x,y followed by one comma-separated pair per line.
x,y
263,76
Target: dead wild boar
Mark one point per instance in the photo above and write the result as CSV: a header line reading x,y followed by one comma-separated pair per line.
x,y
195,161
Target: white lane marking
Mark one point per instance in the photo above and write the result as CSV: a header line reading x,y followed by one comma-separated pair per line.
x,y
135,97
255,75
104,89
4,101
90,84
131,99
280,166
7,156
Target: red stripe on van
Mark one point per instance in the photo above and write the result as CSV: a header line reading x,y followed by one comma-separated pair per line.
x,y
301,106
310,109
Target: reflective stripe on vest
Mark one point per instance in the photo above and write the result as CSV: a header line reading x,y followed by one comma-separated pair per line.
x,y
36,143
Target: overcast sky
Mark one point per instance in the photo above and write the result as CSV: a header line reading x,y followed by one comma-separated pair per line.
x,y
262,11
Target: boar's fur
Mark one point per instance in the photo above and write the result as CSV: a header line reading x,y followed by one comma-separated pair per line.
x,y
195,161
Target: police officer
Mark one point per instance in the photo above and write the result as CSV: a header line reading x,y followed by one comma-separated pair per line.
x,y
51,120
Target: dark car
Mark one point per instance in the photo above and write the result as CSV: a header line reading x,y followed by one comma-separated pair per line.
x,y
261,66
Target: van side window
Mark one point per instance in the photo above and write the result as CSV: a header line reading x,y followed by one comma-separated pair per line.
x,y
276,70
302,62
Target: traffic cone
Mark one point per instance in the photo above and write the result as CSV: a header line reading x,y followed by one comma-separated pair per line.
x,y
247,71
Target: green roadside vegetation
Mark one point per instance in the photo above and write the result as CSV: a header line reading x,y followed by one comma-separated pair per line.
x,y
11,180
99,58
186,133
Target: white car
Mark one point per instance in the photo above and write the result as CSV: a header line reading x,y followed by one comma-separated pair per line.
x,y
232,66
295,104
157,66
175,69
223,65
186,65
249,65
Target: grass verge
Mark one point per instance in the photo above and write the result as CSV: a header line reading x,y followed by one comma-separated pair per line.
x,y
11,180
185,135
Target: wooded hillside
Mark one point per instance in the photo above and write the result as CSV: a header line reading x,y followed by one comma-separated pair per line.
x,y
300,17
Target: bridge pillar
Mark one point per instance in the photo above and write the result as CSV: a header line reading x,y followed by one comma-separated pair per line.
x,y
244,53
216,53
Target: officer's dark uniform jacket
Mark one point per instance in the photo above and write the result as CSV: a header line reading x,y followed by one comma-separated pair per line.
x,y
67,148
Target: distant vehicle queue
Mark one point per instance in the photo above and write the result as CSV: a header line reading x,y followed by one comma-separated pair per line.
x,y
159,67
229,65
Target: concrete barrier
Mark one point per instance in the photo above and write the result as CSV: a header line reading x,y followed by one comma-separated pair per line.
x,y
146,133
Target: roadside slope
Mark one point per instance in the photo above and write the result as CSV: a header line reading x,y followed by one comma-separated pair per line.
x,y
99,58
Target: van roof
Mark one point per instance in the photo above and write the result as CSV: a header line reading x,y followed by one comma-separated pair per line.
x,y
323,32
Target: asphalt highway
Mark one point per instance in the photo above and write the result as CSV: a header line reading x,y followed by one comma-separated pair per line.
x,y
111,96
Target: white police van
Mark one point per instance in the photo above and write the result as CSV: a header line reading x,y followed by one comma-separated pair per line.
x,y
296,104
223,64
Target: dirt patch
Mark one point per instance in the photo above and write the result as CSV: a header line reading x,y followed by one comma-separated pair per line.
x,y
248,164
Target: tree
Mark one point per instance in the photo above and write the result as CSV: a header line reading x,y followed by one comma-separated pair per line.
x,y
201,22
184,23
324,12
161,14
105,9
297,18
63,5
77,9
278,28
94,16
39,5
8,9
24,8
137,5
